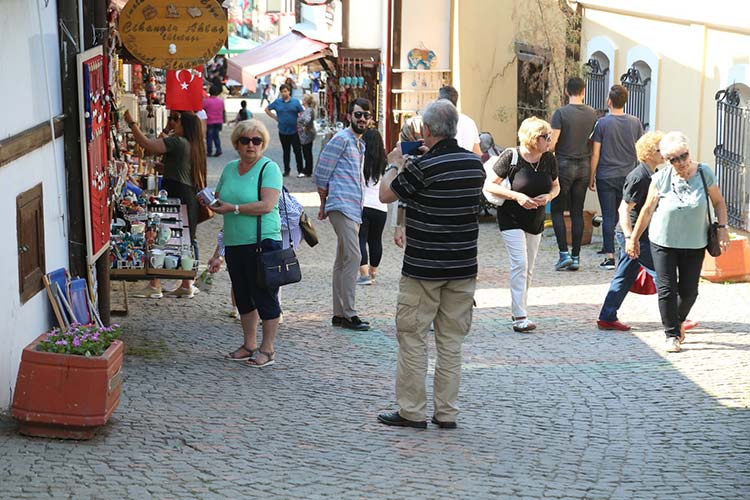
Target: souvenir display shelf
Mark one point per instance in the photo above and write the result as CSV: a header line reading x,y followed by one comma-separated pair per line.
x,y
135,263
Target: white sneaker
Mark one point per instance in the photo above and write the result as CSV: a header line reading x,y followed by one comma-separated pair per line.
x,y
523,325
673,344
186,293
364,280
147,292
300,175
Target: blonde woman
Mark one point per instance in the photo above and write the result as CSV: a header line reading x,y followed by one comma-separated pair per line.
x,y
241,207
306,131
533,184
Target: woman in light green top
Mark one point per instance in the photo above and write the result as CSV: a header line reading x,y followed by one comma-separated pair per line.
x,y
237,193
676,207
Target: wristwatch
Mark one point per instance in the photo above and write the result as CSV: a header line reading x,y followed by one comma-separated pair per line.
x,y
237,210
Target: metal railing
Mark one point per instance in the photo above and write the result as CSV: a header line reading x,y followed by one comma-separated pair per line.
x,y
732,151
639,95
596,86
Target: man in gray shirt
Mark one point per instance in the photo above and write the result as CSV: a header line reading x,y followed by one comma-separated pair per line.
x,y
571,129
613,156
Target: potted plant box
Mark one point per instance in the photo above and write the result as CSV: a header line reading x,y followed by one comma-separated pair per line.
x,y
731,265
65,395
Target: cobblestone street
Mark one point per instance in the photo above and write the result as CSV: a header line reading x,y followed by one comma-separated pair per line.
x,y
565,412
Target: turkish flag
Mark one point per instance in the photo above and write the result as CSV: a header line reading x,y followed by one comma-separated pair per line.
x,y
185,89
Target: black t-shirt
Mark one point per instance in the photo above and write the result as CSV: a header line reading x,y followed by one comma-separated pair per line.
x,y
575,123
635,190
525,179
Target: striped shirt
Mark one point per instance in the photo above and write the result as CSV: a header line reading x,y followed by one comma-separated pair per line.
x,y
441,192
339,171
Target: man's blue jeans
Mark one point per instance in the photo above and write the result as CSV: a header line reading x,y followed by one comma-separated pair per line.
x,y
609,192
627,271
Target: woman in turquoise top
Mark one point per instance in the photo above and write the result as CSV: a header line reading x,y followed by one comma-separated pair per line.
x,y
237,193
676,207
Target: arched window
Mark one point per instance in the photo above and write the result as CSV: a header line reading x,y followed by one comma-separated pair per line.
x,y
597,82
732,151
638,82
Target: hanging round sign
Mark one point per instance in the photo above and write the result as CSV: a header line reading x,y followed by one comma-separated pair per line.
x,y
173,34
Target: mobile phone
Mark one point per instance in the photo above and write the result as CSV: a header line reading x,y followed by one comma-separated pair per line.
x,y
410,147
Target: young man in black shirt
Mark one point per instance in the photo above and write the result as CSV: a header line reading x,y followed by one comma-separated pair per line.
x,y
571,129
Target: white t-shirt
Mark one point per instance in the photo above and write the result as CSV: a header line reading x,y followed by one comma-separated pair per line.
x,y
467,134
372,197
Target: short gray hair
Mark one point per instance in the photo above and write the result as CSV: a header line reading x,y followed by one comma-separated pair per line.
x,y
673,142
441,117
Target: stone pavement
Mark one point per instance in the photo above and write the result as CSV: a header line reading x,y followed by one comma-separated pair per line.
x,y
566,412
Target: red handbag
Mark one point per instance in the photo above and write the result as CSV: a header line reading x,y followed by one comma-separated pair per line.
x,y
644,283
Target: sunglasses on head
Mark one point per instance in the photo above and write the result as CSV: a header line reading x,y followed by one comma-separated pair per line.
x,y
677,159
257,141
360,114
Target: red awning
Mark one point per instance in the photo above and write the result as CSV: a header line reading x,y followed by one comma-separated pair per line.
x,y
286,50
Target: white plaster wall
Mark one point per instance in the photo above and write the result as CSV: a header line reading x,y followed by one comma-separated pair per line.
x,y
25,104
435,34
365,24
25,93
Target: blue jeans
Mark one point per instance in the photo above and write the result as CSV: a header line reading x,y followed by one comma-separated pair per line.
x,y
609,192
627,270
212,138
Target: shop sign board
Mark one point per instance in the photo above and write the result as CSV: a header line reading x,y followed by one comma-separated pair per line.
x,y
173,34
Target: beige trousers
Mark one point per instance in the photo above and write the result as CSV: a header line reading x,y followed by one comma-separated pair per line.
x,y
346,264
447,304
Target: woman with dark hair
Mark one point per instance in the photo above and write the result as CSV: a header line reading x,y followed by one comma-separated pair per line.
x,y
214,107
374,212
184,169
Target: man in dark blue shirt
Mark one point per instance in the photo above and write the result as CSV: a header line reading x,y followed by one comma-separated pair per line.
x,y
287,109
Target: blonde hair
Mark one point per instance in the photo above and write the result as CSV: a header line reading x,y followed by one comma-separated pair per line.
x,y
648,144
251,125
531,129
308,101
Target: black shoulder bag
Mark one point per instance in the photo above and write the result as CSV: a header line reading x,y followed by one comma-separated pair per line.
x,y
276,267
713,247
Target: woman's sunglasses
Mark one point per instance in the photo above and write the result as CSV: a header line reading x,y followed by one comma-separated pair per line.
x,y
257,141
174,118
677,159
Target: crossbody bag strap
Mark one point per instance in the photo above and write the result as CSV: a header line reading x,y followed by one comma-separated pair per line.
x,y
260,181
708,198
283,201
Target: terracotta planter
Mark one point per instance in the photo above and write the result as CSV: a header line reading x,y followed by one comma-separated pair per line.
x,y
732,265
588,227
66,396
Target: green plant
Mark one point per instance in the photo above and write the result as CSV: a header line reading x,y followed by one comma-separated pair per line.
x,y
80,340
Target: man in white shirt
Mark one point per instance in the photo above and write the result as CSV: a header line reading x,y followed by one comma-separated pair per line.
x,y
467,133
